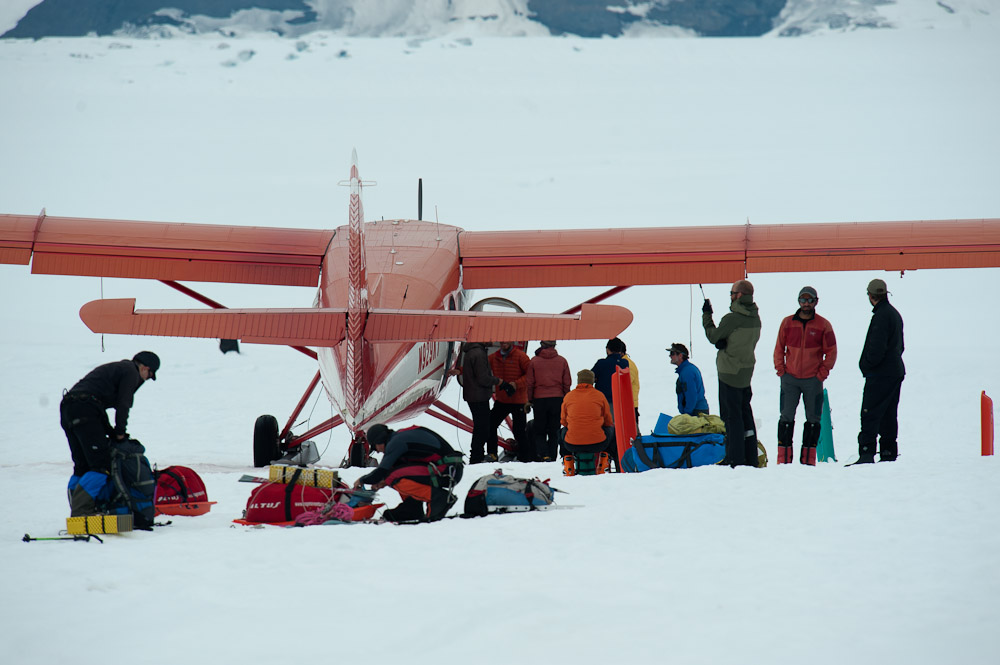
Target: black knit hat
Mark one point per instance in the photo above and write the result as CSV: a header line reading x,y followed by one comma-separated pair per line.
x,y
378,435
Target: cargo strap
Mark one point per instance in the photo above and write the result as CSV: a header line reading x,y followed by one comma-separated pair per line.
x,y
288,494
684,461
181,485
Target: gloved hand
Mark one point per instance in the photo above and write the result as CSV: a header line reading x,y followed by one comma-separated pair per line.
x,y
508,388
722,343
707,306
527,407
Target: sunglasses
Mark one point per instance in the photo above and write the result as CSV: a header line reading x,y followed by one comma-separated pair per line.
x,y
733,293
807,299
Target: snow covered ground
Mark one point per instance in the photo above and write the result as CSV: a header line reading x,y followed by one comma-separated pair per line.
x,y
893,562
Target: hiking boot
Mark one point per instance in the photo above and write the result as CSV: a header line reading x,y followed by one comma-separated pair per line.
x,y
808,455
785,450
569,465
490,458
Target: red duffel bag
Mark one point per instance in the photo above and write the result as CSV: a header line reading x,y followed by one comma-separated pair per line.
x,y
180,491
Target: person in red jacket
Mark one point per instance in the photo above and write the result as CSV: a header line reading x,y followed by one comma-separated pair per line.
x,y
510,365
804,354
548,383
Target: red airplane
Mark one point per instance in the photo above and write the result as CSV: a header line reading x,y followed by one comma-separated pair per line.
x,y
393,294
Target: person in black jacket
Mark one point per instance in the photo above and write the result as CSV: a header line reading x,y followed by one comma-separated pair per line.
x,y
477,388
84,418
420,465
882,366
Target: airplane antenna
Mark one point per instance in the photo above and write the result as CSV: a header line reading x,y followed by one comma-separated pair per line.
x,y
420,199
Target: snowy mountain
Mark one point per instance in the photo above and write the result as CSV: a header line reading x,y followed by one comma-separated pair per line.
x,y
435,18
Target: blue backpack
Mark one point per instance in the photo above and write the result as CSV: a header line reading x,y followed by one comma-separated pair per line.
x,y
134,482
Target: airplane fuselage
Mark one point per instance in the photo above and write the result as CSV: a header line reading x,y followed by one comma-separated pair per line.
x,y
410,265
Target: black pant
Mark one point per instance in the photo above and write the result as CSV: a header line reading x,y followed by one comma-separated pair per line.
x,y
879,405
546,428
87,428
500,411
480,430
741,433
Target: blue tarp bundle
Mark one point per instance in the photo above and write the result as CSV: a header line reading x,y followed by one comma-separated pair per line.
x,y
660,450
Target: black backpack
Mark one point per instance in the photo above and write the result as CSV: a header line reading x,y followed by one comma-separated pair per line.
x,y
134,481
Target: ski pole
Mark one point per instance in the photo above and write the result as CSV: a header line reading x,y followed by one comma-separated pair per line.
x,y
80,537
702,291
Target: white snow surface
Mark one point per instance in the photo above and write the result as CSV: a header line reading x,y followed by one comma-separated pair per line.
x,y
885,563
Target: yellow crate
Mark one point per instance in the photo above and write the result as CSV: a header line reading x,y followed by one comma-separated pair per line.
x,y
328,478
99,524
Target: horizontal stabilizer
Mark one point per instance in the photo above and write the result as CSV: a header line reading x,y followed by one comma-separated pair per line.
x,y
326,327
295,327
400,325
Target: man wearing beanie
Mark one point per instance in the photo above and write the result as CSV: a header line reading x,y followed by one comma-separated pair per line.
x,y
804,354
882,366
84,418
585,415
420,465
736,338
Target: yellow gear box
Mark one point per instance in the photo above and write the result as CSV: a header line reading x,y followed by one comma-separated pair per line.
x,y
327,478
99,524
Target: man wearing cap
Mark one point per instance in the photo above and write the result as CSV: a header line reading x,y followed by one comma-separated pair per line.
x,y
420,465
804,354
882,366
586,415
84,418
736,338
690,387
548,383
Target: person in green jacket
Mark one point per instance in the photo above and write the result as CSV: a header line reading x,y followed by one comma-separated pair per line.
x,y
736,338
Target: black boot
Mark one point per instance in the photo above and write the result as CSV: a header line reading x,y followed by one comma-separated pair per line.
x,y
785,450
750,451
866,452
810,437
887,452
410,510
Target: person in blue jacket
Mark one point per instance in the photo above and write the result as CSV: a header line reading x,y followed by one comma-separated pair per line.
x,y
690,388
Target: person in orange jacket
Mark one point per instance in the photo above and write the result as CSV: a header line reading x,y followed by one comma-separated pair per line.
x,y
804,354
510,365
586,415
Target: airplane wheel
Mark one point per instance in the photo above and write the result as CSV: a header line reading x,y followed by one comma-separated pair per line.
x,y
265,441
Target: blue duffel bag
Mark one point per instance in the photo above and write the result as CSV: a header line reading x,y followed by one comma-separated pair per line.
x,y
652,451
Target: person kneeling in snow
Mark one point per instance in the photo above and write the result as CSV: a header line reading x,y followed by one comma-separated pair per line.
x,y
421,466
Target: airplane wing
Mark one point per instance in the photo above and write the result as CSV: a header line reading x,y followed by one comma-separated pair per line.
x,y
719,254
326,326
164,251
